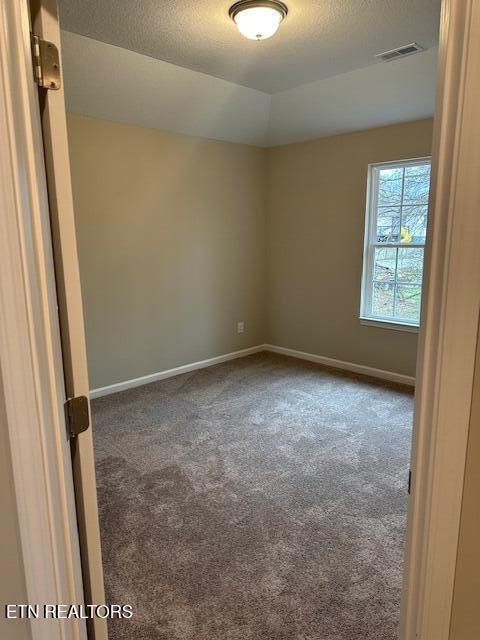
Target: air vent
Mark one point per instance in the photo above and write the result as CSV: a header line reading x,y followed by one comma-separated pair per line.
x,y
401,52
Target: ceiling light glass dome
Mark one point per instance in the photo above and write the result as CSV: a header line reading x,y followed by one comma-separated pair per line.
x,y
258,20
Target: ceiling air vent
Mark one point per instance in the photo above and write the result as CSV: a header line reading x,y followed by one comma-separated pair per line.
x,y
400,52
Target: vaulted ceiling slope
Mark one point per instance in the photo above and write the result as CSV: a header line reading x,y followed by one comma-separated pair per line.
x,y
113,83
318,39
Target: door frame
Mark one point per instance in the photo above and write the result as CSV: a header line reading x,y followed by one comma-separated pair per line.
x,y
448,339
30,351
29,335
45,24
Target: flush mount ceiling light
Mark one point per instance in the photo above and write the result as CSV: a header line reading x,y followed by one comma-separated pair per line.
x,y
258,20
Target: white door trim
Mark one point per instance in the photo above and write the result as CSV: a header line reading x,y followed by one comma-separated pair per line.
x,y
449,335
30,354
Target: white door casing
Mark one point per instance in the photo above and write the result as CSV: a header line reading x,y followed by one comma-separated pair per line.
x,y
446,357
30,353
31,356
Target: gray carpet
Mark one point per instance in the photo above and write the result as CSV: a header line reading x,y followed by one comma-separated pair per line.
x,y
260,499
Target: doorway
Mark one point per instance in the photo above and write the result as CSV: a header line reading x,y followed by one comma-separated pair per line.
x,y
267,494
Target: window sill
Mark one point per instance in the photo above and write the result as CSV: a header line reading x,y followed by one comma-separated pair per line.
x,y
387,324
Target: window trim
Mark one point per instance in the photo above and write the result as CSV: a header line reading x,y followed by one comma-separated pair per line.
x,y
367,266
390,324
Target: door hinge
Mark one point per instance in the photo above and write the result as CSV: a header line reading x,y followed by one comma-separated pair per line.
x,y
78,415
409,481
46,63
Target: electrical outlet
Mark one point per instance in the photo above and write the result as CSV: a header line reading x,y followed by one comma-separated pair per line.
x,y
240,327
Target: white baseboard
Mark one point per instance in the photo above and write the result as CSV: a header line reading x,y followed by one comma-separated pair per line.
x,y
345,366
202,364
169,373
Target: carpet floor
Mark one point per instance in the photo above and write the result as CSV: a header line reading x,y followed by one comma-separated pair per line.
x,y
260,499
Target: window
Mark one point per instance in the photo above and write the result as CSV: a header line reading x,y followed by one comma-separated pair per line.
x,y
396,224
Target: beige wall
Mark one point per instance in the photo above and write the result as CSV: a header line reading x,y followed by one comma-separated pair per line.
x,y
182,237
316,211
466,600
171,236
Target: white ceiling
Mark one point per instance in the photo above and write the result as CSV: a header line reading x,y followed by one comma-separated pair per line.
x,y
109,82
318,39
375,96
116,84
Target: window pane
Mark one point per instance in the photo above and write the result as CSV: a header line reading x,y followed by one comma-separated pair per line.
x,y
418,170
388,224
390,187
416,188
410,265
384,265
414,224
408,298
393,286
382,299
391,173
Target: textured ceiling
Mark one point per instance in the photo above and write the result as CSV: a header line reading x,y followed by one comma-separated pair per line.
x,y
318,39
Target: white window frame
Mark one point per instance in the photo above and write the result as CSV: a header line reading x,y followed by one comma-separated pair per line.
x,y
370,244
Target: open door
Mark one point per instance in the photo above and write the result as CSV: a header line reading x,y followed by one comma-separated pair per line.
x,y
45,27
